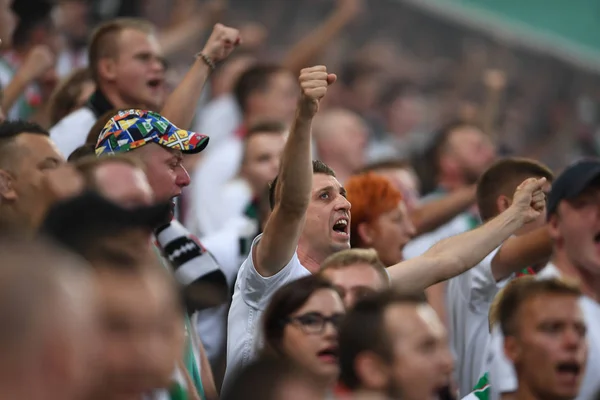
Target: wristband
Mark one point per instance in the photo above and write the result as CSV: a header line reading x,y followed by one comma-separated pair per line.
x,y
207,60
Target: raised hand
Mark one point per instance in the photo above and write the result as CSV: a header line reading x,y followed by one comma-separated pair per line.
x,y
221,42
529,200
313,84
38,61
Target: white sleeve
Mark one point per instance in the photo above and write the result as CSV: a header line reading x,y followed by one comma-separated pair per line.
x,y
480,284
502,373
256,290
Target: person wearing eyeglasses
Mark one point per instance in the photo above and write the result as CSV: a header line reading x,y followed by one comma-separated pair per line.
x,y
301,325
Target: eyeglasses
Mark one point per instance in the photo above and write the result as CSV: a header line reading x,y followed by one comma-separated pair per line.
x,y
314,323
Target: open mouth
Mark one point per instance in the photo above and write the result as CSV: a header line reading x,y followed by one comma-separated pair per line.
x,y
597,238
570,369
341,226
155,83
329,355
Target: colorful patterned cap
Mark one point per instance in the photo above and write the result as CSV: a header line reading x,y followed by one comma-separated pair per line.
x,y
131,129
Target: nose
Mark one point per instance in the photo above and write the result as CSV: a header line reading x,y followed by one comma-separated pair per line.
x,y
572,338
182,178
411,231
343,204
446,360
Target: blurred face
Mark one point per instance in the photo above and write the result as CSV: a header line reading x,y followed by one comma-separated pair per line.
x,y
278,101
34,156
73,20
261,159
142,332
311,341
355,282
405,114
406,181
470,153
576,229
124,184
347,141
8,22
327,226
550,349
138,73
165,171
422,361
389,233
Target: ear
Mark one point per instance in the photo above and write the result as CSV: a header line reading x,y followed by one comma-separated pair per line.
x,y
553,227
502,203
371,371
512,350
107,68
7,191
365,233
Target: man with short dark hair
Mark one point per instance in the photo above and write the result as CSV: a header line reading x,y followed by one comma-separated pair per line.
x,y
311,220
26,156
470,294
394,346
545,337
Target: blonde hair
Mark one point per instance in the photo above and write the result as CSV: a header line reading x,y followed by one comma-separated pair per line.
x,y
346,258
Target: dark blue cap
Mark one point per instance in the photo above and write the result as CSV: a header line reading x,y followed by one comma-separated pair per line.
x,y
573,180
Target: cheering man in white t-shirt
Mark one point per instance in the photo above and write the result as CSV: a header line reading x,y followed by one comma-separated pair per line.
x,y
311,220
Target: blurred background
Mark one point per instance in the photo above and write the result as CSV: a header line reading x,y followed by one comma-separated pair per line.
x,y
526,70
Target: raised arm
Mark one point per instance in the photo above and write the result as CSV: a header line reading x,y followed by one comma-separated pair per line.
x,y
453,256
294,183
181,104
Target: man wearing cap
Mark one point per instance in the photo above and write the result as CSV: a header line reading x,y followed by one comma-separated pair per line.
x,y
574,225
160,146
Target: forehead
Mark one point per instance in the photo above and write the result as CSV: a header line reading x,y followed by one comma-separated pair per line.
x,y
261,139
322,181
549,306
413,321
40,145
134,40
323,300
365,273
126,287
465,135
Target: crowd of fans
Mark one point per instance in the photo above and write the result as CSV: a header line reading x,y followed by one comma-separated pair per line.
x,y
193,208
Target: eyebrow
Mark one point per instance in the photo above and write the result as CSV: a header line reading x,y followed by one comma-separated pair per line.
x,y
330,188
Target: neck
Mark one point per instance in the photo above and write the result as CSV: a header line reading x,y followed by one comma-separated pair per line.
x,y
310,261
366,394
113,97
11,221
589,283
524,392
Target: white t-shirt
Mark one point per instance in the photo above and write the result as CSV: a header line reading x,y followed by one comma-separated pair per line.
x,y
502,374
71,131
468,299
225,246
219,119
250,298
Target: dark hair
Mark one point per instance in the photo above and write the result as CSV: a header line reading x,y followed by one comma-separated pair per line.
x,y
261,379
521,290
395,90
265,127
319,167
503,178
9,130
254,79
87,150
364,330
284,302
31,15
353,71
441,139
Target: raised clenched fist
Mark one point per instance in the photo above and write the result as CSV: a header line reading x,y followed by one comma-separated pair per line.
x,y
529,199
313,84
221,42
